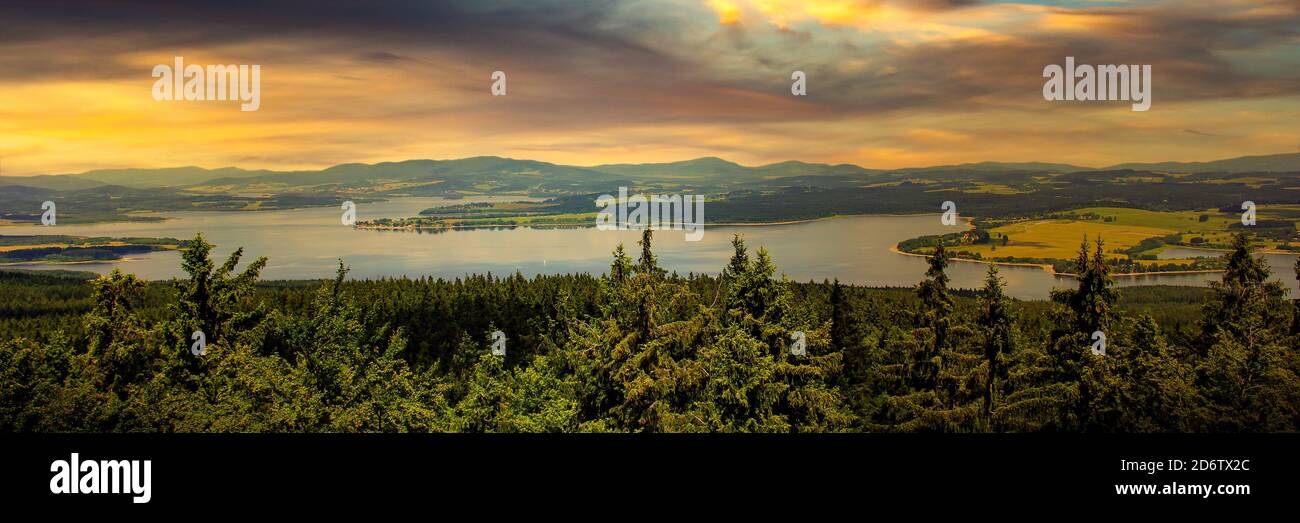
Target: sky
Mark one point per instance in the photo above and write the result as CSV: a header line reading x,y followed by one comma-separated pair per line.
x,y
890,83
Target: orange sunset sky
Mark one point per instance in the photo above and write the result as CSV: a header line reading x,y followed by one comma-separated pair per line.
x,y
891,83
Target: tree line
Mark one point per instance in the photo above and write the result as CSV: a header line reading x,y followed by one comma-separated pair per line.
x,y
643,349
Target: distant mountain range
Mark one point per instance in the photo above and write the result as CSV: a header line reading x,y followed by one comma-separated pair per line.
x,y
495,174
1265,163
781,191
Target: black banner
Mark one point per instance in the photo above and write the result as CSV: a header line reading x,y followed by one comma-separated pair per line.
x,y
559,474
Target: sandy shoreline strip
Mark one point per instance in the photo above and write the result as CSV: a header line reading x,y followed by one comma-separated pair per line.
x,y
1052,270
706,224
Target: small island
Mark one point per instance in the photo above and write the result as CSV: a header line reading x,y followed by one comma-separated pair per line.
x,y
556,212
64,249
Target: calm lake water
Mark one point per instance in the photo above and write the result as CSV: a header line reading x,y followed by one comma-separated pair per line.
x,y
307,243
1282,265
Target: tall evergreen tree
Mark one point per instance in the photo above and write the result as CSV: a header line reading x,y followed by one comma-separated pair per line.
x,y
936,315
648,264
997,324
621,269
121,351
211,299
739,263
114,296
1091,306
1248,371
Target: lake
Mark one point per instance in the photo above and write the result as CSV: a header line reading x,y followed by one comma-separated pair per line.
x,y
307,243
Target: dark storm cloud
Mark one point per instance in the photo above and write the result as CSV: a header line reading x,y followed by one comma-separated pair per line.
x,y
524,29
483,24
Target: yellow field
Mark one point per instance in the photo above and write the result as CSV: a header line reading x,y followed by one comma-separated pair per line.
x,y
994,188
1060,238
1180,221
1125,228
518,206
8,248
1250,181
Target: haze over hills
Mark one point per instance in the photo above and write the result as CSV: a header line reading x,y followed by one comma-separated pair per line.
x,y
164,177
496,174
718,168
996,167
1288,162
774,192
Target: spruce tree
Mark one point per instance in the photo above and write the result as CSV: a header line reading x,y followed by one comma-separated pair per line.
x,y
212,299
1247,371
739,263
1092,305
936,313
1245,302
997,325
648,264
621,269
121,350
114,296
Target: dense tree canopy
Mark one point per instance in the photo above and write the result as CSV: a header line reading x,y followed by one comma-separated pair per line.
x,y
641,349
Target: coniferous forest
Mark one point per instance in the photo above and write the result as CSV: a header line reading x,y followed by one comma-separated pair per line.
x,y
644,349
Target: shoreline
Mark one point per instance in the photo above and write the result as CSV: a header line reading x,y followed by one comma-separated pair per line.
x,y
120,259
1256,251
80,262
706,224
1048,268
